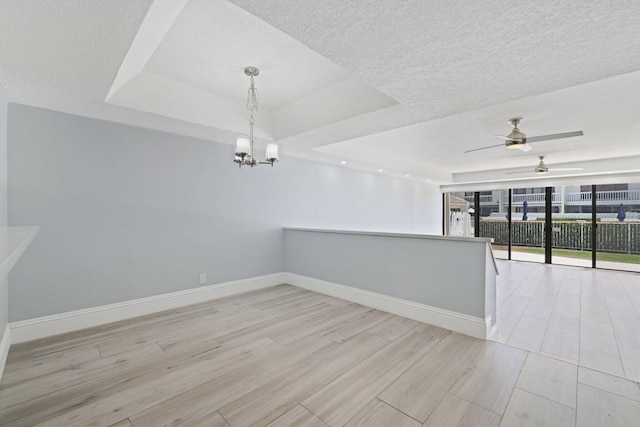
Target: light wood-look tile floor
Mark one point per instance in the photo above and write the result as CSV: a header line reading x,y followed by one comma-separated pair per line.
x,y
567,353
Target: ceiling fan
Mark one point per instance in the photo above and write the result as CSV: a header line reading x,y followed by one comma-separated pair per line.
x,y
542,168
517,140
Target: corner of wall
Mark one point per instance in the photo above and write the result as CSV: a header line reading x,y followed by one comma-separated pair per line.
x,y
5,343
5,339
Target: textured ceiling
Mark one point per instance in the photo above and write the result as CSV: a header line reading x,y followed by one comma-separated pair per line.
x,y
193,71
404,86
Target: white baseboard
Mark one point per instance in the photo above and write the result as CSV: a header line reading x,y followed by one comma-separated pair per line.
x,y
491,329
476,327
5,343
41,327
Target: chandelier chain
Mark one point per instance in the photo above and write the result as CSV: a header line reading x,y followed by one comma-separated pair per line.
x,y
252,98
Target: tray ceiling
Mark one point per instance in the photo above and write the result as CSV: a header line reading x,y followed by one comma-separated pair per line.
x,y
400,86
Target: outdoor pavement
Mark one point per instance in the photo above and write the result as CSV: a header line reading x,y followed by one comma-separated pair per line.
x,y
523,256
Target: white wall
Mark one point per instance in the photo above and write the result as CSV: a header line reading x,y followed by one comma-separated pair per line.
x,y
127,212
4,287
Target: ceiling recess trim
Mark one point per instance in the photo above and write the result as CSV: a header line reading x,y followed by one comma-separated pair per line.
x,y
155,26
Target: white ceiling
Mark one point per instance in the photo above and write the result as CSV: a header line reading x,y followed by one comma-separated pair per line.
x,y
403,86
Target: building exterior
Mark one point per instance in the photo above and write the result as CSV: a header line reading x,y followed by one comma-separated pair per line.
x,y
566,199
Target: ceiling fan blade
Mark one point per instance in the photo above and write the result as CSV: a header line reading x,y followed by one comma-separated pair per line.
x,y
513,173
565,169
525,147
554,136
504,137
484,148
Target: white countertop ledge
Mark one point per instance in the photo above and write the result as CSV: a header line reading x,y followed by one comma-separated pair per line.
x,y
408,235
13,242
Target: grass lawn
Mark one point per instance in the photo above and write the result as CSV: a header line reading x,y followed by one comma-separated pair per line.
x,y
602,256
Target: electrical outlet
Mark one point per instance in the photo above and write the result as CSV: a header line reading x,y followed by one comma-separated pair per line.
x,y
203,278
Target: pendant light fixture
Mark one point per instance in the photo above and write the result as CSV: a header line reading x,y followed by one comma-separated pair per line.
x,y
244,144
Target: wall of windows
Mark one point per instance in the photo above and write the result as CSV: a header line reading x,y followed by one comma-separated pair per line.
x,y
560,225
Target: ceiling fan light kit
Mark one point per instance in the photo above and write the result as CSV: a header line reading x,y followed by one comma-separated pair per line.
x,y
515,145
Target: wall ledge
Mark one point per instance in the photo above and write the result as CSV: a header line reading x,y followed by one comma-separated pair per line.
x,y
405,235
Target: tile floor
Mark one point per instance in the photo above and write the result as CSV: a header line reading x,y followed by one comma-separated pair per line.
x,y
567,353
580,330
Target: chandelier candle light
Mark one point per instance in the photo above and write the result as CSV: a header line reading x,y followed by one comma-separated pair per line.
x,y
244,144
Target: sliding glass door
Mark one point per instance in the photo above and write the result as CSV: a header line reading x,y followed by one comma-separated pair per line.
x,y
458,215
618,229
494,222
586,226
488,217
527,224
571,226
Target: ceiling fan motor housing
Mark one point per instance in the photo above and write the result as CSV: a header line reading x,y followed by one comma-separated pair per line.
x,y
517,135
516,139
541,168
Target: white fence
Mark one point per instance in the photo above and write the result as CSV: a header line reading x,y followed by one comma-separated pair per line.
x,y
571,199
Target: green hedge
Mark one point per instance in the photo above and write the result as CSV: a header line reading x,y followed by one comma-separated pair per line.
x,y
611,237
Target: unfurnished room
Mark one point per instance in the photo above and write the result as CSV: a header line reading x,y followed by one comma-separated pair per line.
x,y
232,213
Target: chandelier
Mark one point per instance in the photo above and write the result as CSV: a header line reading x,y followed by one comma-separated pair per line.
x,y
244,144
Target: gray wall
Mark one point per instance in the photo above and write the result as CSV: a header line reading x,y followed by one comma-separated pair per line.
x,y
4,286
448,274
127,212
